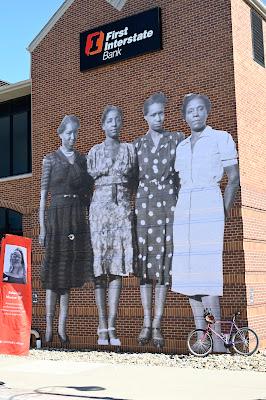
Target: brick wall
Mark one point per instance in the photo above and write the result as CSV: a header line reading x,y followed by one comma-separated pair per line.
x,y
197,56
250,86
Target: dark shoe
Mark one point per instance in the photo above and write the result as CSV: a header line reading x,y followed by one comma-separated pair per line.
x,y
48,340
144,336
63,341
157,338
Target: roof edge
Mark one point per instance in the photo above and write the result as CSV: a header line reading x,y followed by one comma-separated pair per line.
x,y
14,90
47,27
256,4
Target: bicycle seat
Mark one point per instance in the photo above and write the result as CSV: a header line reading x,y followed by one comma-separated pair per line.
x,y
237,313
209,317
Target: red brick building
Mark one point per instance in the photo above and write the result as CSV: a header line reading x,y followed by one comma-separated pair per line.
x,y
205,48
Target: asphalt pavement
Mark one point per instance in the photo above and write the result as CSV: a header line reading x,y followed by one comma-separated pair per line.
x,y
59,380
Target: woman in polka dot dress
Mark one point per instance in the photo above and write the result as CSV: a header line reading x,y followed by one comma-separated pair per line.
x,y
155,204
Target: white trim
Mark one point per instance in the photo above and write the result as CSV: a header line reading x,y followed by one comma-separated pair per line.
x,y
16,177
256,4
14,90
52,21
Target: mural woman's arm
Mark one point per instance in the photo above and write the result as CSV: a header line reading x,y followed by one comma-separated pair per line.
x,y
44,194
232,187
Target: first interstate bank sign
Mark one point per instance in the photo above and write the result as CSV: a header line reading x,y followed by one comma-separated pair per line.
x,y
122,39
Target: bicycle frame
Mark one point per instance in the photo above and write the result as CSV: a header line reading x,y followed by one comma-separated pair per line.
x,y
225,339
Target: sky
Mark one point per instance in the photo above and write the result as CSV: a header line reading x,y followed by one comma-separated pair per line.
x,y
21,21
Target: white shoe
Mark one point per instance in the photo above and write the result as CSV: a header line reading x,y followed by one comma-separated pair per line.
x,y
114,341
102,342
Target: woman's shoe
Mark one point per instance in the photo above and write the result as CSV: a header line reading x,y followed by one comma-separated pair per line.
x,y
157,338
101,341
144,336
114,341
63,341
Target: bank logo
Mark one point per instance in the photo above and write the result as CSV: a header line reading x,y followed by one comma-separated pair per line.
x,y
94,43
120,40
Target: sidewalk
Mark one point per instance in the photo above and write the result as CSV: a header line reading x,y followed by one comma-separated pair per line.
x,y
60,380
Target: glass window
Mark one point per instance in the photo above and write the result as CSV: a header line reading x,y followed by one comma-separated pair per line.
x,y
257,38
5,146
15,135
10,222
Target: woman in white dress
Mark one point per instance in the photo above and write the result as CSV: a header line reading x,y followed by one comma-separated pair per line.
x,y
111,165
198,228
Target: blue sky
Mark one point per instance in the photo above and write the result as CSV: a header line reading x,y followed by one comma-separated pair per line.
x,y
21,21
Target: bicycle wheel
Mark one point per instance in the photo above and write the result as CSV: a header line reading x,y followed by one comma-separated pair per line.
x,y
245,341
199,342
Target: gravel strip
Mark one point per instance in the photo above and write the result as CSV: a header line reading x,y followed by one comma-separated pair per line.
x,y
256,362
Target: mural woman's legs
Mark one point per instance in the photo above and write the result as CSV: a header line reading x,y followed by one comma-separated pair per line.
x,y
197,308
100,299
146,300
160,297
51,298
114,290
213,304
63,314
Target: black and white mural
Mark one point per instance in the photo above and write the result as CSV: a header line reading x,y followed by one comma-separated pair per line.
x,y
172,241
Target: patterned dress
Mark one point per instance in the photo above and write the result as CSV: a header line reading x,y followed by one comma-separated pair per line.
x,y
199,215
110,210
155,205
68,256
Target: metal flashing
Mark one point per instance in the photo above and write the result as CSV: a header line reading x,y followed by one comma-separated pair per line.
x,y
14,90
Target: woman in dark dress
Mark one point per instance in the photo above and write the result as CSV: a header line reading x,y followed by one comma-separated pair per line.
x,y
68,257
154,209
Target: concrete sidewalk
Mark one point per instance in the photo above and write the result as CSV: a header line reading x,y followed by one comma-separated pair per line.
x,y
52,380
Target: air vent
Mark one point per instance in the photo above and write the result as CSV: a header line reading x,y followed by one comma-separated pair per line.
x,y
257,38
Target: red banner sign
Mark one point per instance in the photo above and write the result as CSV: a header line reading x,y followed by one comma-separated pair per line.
x,y
15,295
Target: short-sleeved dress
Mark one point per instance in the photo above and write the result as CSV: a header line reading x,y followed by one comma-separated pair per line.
x,y
198,228
155,203
68,255
110,210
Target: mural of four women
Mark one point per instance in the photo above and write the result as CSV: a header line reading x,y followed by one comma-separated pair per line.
x,y
173,240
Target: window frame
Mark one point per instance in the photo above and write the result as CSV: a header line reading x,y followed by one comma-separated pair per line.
x,y
13,109
255,13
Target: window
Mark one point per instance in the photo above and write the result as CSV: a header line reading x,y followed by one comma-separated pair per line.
x,y
15,137
10,222
257,38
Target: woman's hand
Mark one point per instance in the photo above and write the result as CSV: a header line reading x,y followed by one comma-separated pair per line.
x,y
42,236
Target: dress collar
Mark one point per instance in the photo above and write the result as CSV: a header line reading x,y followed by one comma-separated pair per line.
x,y
205,133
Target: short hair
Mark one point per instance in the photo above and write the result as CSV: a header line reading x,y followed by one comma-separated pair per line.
x,y
191,96
158,97
109,108
68,119
22,261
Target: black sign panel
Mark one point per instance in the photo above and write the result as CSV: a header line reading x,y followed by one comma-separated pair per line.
x,y
122,39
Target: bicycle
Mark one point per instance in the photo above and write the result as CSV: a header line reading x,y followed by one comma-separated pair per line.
x,y
243,341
